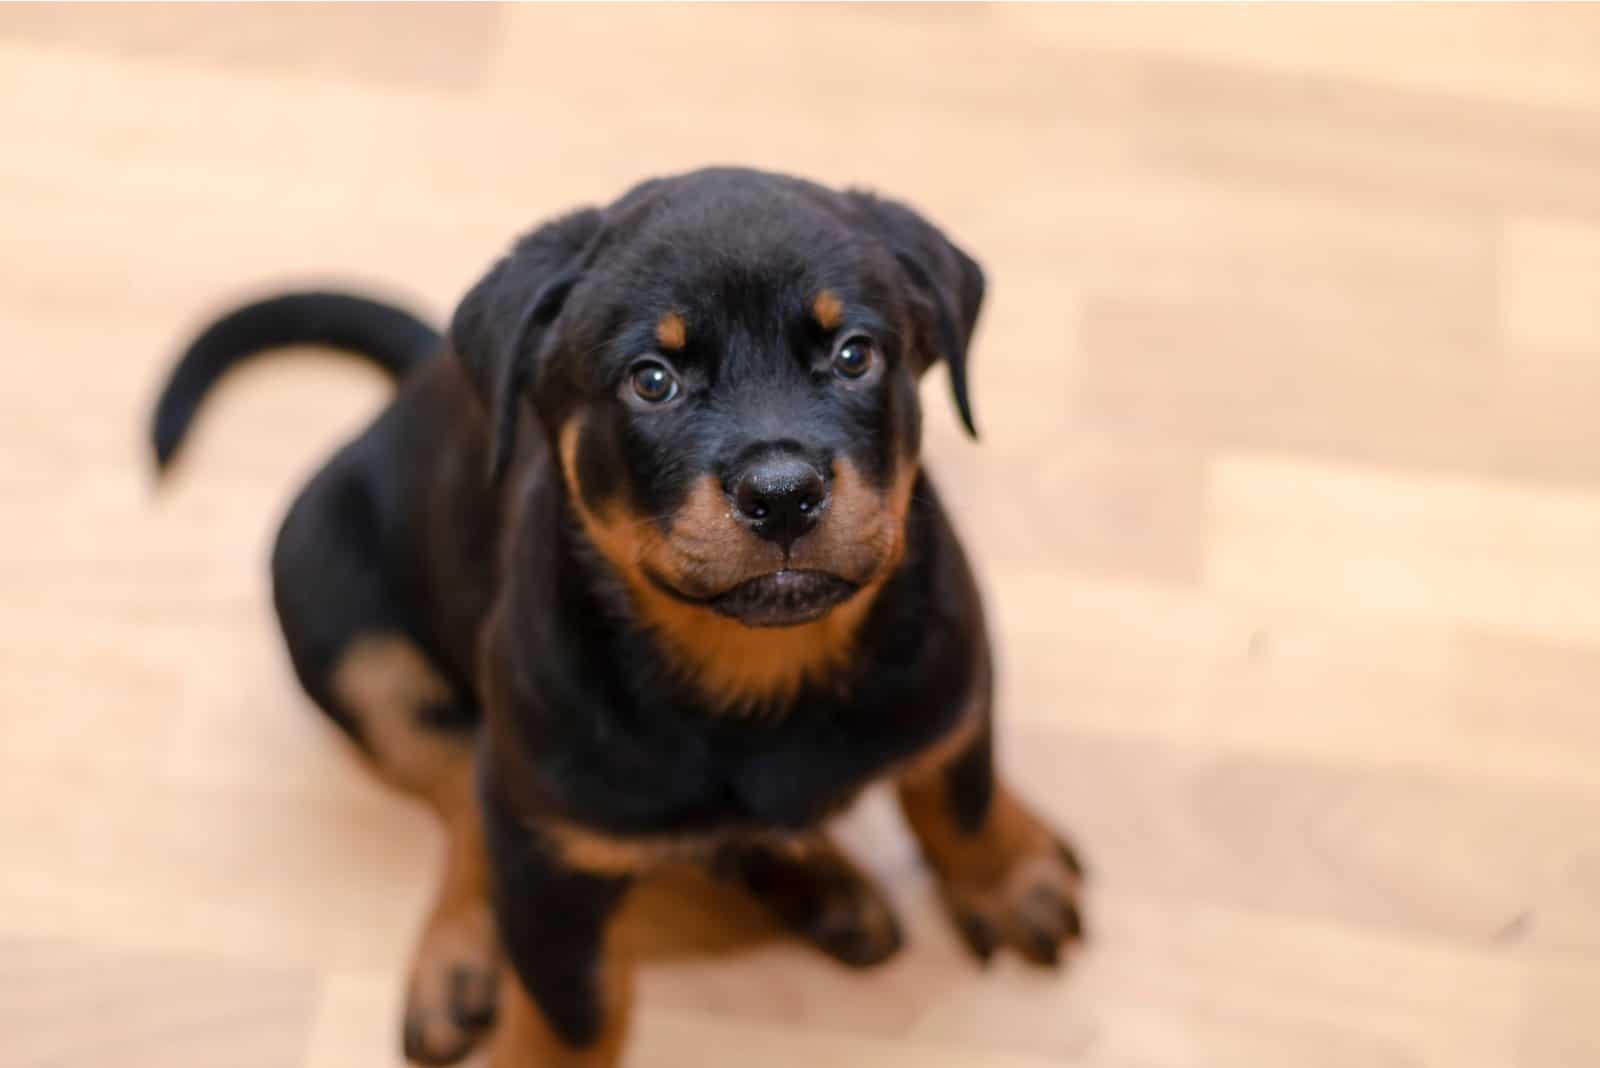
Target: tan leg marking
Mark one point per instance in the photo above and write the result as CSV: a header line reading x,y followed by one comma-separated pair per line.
x,y
455,972
1010,882
386,683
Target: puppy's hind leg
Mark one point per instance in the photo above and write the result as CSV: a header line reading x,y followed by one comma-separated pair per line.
x,y
396,698
357,659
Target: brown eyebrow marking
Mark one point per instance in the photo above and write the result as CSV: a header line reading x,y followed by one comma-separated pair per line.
x,y
827,309
671,333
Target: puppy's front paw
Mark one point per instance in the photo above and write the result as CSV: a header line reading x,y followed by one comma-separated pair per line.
x,y
1012,883
857,928
450,1001
820,895
1034,910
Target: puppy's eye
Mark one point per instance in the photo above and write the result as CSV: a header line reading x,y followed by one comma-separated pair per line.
x,y
654,384
854,358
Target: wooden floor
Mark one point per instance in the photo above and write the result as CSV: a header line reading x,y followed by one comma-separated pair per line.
x,y
1288,506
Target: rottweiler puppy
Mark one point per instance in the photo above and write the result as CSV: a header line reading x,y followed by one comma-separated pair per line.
x,y
640,565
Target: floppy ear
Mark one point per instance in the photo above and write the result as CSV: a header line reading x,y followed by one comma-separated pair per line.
x,y
502,324
946,287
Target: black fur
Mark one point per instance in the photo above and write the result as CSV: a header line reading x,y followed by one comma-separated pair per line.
x,y
500,326
390,337
947,283
633,751
552,922
969,782
589,720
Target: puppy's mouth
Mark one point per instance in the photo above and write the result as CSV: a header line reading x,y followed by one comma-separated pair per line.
x,y
784,598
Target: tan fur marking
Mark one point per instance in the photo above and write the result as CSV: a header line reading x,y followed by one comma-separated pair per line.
x,y
1010,877
737,667
827,309
863,528
976,859
455,970
983,859
385,682
605,854
704,531
671,332
744,668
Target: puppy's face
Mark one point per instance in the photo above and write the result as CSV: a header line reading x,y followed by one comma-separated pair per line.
x,y
744,433
731,381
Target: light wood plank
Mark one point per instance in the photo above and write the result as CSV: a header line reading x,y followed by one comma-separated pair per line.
x,y
1407,547
1287,505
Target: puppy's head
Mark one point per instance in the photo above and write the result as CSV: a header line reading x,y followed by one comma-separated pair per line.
x,y
727,362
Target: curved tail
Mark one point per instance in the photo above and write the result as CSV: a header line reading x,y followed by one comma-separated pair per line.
x,y
388,336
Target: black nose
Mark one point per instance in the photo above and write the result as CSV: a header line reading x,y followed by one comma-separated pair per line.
x,y
780,497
